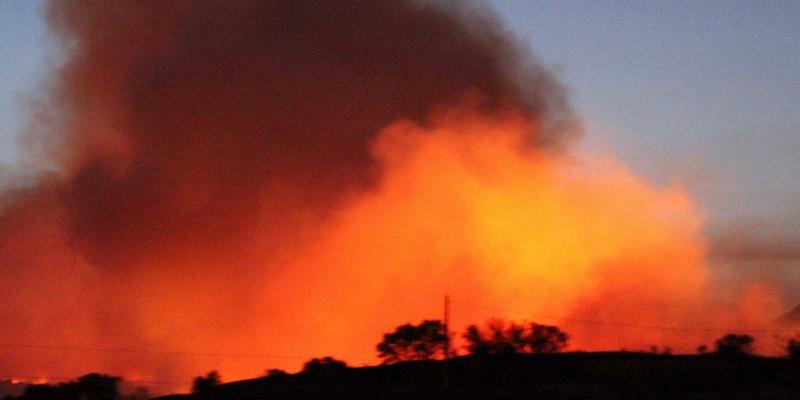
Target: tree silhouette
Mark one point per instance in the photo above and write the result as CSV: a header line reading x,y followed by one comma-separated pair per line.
x,y
205,383
414,342
734,345
546,339
497,337
476,343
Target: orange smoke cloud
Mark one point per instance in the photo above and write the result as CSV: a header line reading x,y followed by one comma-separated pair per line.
x,y
465,207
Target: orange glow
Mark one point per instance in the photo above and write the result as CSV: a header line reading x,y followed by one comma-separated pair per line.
x,y
466,208
462,207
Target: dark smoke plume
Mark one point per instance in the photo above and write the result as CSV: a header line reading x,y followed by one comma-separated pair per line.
x,y
186,118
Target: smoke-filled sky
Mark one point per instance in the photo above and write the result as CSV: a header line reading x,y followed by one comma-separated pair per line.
x,y
275,178
702,93
714,82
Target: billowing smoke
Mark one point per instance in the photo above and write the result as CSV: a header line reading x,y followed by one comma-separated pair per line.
x,y
293,178
189,122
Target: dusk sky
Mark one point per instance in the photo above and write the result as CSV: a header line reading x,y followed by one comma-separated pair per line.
x,y
702,92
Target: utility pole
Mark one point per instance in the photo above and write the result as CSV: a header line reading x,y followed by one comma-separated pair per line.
x,y
445,372
447,327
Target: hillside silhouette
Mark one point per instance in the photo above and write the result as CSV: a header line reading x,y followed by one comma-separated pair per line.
x,y
523,376
507,360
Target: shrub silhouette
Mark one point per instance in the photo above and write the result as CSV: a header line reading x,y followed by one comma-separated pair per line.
x,y
97,386
205,383
140,393
39,392
88,387
414,342
324,366
276,372
793,348
499,337
734,345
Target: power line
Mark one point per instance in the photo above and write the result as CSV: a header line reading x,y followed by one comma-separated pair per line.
x,y
448,301
32,379
446,327
144,351
628,325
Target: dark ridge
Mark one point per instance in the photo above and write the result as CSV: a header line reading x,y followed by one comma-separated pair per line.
x,y
567,375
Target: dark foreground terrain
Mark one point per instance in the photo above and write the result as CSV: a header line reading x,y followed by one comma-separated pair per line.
x,y
569,375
